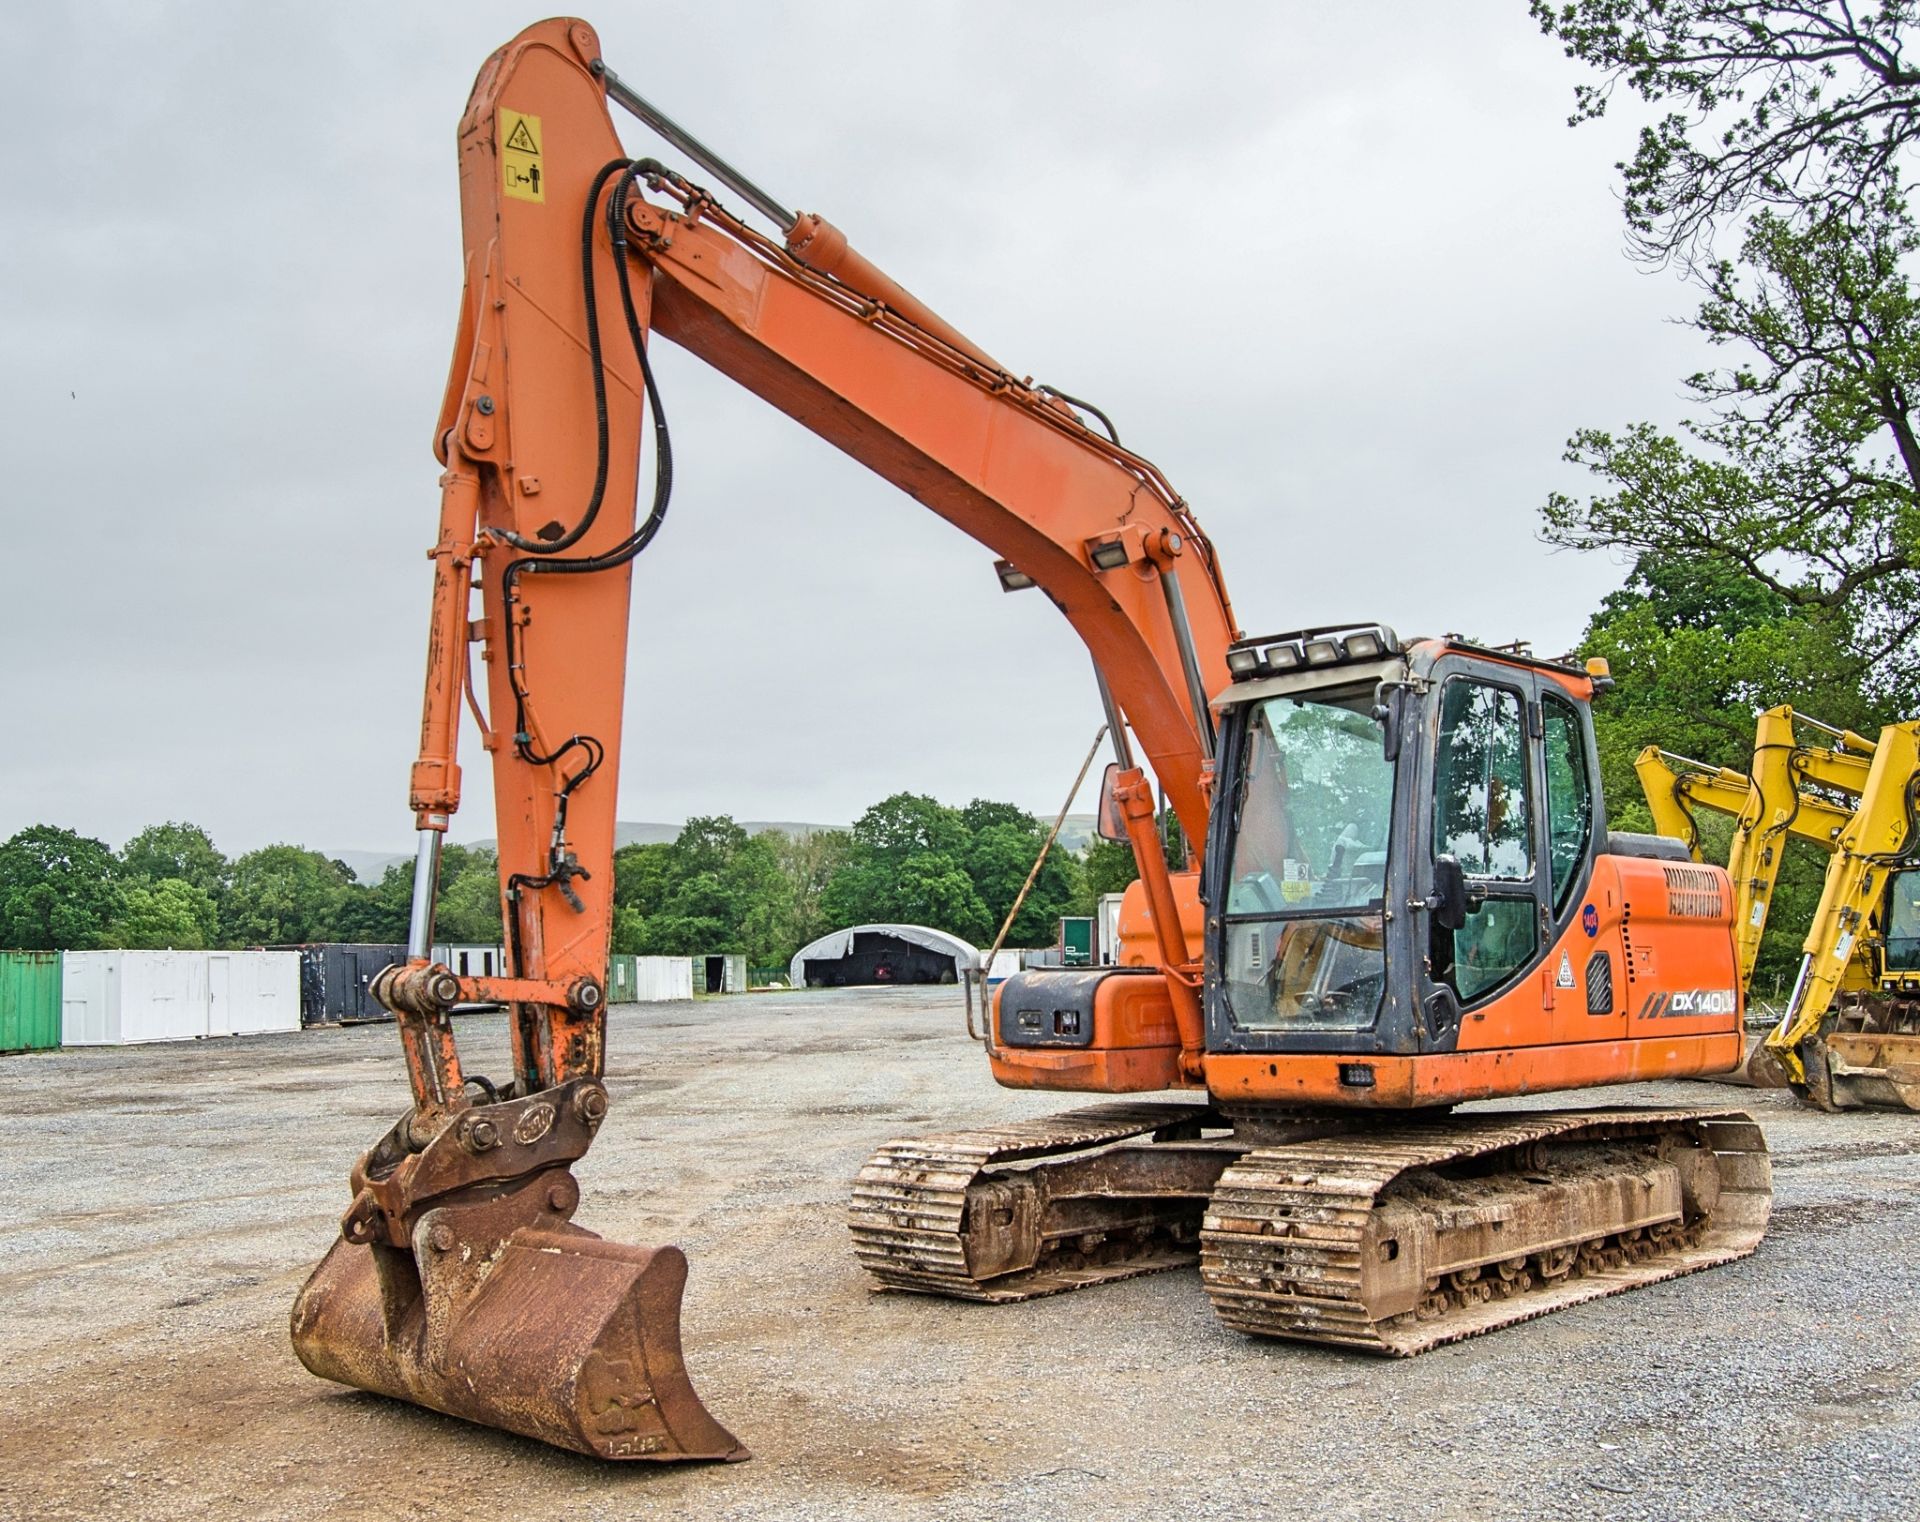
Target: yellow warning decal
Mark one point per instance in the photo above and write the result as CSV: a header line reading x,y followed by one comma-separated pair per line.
x,y
523,170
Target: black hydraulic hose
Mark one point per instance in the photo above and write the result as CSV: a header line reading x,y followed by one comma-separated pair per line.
x,y
1074,401
542,556
553,546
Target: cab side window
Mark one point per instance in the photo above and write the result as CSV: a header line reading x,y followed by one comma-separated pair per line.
x,y
1481,813
1569,796
1483,817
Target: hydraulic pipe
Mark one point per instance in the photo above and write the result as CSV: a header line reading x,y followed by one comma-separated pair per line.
x,y
1116,726
622,95
1189,660
426,886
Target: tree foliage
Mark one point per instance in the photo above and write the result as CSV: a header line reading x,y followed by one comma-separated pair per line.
x,y
181,851
1803,476
1697,649
1769,105
283,895
170,914
713,888
59,891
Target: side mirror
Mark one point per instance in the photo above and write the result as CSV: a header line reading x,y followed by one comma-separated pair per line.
x,y
1386,713
1449,901
1110,823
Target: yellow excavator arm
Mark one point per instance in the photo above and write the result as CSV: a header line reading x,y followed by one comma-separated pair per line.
x,y
1881,838
1869,1051
1766,805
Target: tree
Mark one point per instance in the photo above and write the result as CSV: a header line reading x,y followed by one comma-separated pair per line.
x,y
181,851
283,895
808,862
713,888
1805,478
377,913
930,888
59,891
1108,867
908,823
1789,106
998,860
170,914
1697,648
642,877
467,909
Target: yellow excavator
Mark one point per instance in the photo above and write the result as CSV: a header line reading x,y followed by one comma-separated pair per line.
x,y
1850,1035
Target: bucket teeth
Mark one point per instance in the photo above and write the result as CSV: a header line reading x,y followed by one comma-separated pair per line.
x,y
509,1319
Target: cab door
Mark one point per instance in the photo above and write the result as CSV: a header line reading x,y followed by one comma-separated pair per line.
x,y
1484,810
1586,976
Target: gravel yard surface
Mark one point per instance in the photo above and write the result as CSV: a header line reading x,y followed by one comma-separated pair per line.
x,y
161,1205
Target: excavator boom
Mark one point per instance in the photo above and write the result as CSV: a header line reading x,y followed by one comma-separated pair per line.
x,y
569,268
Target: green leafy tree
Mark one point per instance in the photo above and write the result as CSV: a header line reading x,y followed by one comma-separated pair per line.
x,y
998,860
909,824
467,909
59,891
643,876
181,851
168,914
707,844
713,888
1108,867
1697,649
1806,105
1804,474
377,913
931,888
284,895
808,862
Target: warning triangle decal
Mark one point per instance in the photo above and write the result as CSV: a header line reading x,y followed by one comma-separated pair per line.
x,y
521,140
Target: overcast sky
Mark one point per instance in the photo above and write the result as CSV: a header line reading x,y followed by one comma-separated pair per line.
x,y
1341,270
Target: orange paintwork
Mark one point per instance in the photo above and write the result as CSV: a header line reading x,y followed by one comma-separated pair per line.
x,y
1136,1045
917,403
826,337
1455,1077
1139,933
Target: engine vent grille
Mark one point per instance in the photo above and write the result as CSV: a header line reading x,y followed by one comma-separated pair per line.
x,y
1694,893
1599,984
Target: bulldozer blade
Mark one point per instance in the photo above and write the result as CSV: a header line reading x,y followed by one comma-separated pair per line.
x,y
555,1334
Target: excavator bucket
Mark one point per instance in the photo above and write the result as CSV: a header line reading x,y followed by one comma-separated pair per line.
x,y
552,1333
460,1283
1864,1070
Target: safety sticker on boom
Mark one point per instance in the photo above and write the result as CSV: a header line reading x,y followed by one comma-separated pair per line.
x,y
522,168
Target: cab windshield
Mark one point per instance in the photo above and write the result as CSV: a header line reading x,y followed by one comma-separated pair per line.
x,y
1307,880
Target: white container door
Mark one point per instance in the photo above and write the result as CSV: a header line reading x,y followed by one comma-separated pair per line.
x,y
220,994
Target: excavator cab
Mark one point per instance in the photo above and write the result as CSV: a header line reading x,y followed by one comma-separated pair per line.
x,y
1410,897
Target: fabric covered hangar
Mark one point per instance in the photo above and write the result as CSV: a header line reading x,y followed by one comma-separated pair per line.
x,y
882,954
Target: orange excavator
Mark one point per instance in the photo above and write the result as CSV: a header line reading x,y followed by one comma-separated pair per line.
x,y
1400,893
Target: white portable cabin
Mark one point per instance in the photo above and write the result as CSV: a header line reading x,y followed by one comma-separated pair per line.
x,y
1106,950
119,998
252,993
657,980
472,961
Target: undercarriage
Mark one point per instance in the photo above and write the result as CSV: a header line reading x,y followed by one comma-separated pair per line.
x,y
1391,1234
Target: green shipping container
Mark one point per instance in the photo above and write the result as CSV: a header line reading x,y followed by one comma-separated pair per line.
x,y
29,1000
621,979
1076,941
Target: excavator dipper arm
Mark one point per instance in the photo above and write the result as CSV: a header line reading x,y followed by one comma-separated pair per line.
x,y
458,1281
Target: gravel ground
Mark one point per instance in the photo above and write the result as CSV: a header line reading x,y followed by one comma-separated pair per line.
x,y
161,1205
